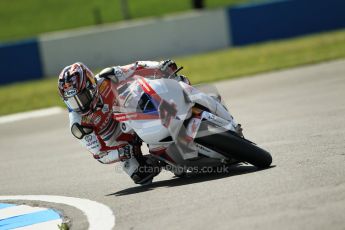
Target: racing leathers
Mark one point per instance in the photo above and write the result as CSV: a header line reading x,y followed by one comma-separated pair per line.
x,y
101,134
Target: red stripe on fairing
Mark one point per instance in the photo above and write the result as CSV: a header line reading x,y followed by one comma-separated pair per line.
x,y
121,117
148,89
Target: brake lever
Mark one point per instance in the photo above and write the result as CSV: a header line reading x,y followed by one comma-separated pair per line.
x,y
176,71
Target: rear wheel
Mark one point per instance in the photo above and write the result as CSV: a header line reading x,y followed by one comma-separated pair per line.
x,y
231,145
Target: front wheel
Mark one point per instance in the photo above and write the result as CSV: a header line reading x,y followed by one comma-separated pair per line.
x,y
233,146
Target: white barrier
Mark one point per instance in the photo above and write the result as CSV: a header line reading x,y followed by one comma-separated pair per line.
x,y
123,43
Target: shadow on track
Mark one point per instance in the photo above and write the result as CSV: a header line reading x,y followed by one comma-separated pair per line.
x,y
190,179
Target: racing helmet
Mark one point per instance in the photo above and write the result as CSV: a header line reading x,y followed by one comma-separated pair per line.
x,y
78,88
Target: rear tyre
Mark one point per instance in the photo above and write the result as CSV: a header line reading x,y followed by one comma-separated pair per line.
x,y
231,145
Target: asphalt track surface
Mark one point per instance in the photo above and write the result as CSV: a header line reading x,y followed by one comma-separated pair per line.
x,y
298,115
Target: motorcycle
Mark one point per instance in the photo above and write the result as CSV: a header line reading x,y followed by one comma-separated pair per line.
x,y
185,128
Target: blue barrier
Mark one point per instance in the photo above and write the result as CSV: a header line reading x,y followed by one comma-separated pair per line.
x,y
20,61
284,19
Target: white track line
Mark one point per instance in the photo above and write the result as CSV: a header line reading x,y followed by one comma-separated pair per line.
x,y
43,226
98,215
31,114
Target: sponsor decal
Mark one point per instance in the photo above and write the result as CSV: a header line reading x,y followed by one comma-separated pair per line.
x,y
94,147
211,117
118,72
70,92
103,86
200,147
92,143
97,120
105,108
88,138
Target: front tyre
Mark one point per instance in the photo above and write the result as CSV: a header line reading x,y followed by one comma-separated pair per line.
x,y
233,146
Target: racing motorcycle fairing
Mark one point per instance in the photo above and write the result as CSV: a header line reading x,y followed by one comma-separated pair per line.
x,y
160,112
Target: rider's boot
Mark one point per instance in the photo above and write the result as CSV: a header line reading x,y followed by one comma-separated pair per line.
x,y
147,169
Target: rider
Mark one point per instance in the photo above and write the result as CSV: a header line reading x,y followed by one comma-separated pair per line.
x,y
90,100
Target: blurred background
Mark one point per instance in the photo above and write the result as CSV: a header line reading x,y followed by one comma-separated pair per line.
x,y
212,39
28,18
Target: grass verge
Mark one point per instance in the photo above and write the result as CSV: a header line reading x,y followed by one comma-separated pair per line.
x,y
249,60
213,66
26,18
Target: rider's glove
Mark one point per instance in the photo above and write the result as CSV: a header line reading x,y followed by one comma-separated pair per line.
x,y
109,73
168,66
126,152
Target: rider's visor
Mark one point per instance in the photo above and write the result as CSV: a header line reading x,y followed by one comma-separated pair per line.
x,y
81,101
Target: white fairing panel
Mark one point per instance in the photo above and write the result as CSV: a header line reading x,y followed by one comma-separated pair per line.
x,y
152,131
182,98
197,96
